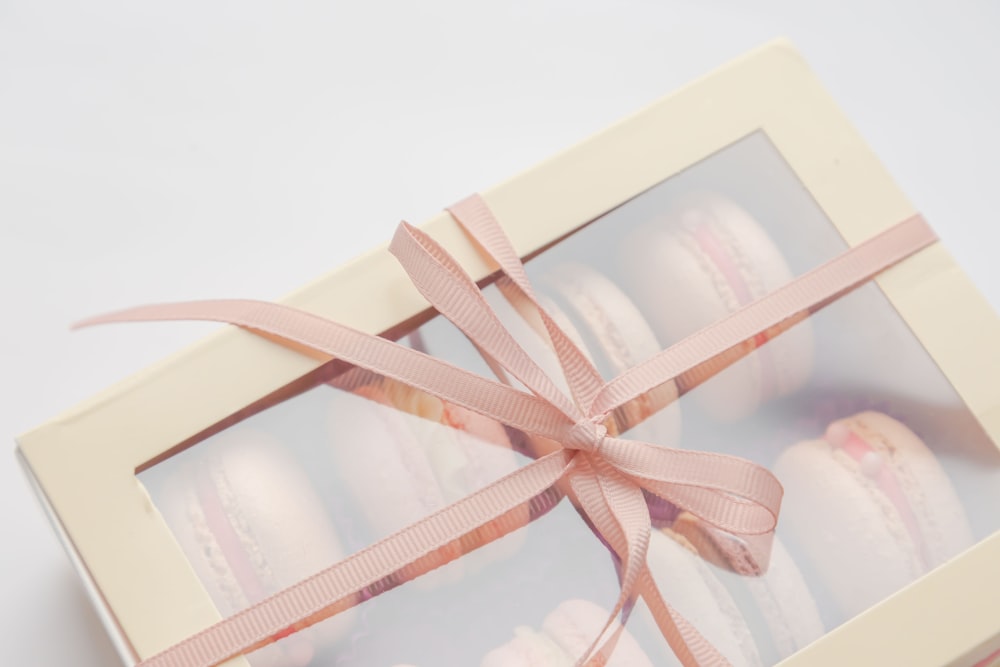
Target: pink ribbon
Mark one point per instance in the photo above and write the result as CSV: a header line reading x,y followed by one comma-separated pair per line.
x,y
604,475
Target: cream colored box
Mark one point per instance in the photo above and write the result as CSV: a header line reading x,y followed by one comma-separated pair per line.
x,y
85,462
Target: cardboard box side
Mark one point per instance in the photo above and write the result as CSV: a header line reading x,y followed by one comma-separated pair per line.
x,y
118,640
948,617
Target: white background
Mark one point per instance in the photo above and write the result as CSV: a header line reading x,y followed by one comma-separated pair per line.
x,y
161,151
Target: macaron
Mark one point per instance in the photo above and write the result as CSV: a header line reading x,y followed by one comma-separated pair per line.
x,y
618,337
565,635
250,522
698,263
403,454
870,507
778,606
692,588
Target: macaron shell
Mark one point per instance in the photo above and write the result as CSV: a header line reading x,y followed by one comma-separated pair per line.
x,y
758,258
288,536
413,466
681,290
287,517
696,593
380,460
624,338
484,448
943,523
785,602
615,321
563,321
850,532
182,512
574,625
766,270
466,451
774,591
526,330
528,649
676,289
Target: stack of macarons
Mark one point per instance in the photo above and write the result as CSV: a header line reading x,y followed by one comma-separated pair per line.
x,y
250,523
698,263
565,635
870,508
402,454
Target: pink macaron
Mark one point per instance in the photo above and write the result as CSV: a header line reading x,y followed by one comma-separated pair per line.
x,y
565,635
250,523
700,262
871,508
402,454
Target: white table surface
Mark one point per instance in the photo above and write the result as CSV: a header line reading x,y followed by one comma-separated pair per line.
x,y
155,151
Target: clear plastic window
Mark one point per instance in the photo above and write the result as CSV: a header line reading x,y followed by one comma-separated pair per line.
x,y
887,474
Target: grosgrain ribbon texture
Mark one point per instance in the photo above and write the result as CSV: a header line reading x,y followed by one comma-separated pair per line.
x,y
603,475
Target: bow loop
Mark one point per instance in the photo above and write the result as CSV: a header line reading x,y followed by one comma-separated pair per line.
x,y
478,221
446,286
727,492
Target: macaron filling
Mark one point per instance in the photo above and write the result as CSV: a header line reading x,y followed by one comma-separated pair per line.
x,y
708,242
236,548
873,465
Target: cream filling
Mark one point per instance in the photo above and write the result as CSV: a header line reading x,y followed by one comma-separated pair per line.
x,y
733,268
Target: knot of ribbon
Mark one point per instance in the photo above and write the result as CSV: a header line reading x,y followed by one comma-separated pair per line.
x,y
586,436
606,477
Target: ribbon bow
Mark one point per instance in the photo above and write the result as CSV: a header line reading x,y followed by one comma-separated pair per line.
x,y
606,475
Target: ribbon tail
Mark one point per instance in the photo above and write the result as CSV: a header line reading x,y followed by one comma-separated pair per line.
x,y
438,276
425,543
618,511
689,645
600,652
728,492
384,357
478,220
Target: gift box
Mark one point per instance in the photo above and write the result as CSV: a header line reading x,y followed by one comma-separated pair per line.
x,y
252,461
